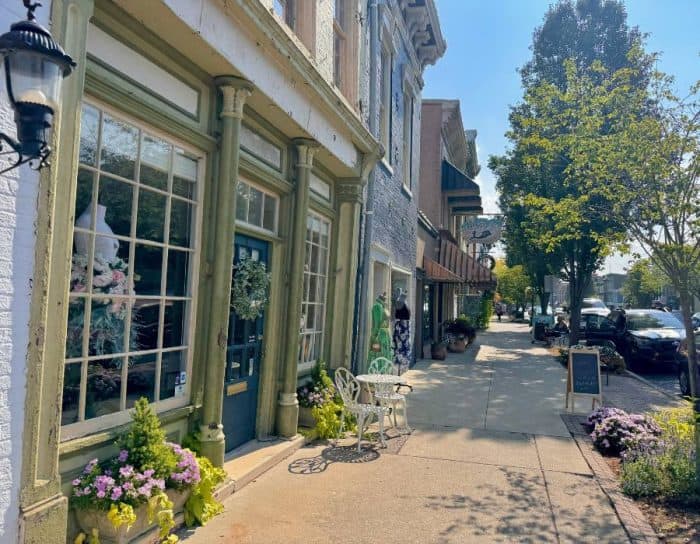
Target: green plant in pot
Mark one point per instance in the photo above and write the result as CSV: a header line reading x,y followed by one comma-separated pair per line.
x,y
144,486
460,334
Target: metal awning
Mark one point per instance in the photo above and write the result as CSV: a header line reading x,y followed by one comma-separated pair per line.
x,y
453,179
466,267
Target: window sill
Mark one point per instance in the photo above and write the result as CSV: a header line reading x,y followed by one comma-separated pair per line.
x,y
387,166
406,191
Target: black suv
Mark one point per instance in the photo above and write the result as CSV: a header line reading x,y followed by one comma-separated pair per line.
x,y
645,338
683,372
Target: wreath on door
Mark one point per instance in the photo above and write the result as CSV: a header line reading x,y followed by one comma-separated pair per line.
x,y
251,287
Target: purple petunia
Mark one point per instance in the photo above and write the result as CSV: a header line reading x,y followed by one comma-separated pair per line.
x,y
123,456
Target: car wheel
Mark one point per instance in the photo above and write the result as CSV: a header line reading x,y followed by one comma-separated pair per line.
x,y
684,381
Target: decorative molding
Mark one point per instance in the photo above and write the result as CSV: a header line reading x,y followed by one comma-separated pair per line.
x,y
349,191
306,150
235,91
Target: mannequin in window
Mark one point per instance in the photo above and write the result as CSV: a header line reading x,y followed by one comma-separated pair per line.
x,y
380,339
402,334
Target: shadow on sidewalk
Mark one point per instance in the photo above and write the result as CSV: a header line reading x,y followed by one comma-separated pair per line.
x,y
330,455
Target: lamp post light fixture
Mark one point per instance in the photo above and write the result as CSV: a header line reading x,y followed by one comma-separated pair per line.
x,y
35,66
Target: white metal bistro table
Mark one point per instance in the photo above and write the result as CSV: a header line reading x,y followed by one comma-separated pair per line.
x,y
381,386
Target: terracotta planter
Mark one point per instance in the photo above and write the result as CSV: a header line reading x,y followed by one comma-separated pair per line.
x,y
306,419
89,519
438,352
458,345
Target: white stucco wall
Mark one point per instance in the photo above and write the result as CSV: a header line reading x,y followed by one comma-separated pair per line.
x,y
18,192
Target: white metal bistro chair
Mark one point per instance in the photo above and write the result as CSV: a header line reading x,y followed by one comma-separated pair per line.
x,y
349,389
385,394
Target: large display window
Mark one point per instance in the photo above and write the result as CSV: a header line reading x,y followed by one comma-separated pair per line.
x,y
134,267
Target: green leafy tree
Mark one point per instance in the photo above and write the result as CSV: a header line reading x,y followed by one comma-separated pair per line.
x,y
643,284
513,283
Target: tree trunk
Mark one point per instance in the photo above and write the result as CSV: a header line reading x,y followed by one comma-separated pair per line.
x,y
544,301
686,301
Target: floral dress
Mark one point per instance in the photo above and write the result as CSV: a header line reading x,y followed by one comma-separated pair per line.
x,y
402,339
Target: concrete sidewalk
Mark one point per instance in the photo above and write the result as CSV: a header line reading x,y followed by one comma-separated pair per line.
x,y
490,460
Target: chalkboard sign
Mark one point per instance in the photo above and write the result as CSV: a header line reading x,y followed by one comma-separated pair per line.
x,y
585,373
583,376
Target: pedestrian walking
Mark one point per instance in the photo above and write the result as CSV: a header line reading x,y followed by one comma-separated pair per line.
x,y
499,310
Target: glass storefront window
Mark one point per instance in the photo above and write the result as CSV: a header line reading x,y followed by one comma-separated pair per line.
x,y
314,290
133,267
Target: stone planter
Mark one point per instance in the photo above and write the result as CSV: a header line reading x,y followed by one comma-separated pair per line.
x,y
438,351
458,345
89,519
306,419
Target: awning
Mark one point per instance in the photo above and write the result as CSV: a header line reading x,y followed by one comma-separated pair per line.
x,y
436,272
453,179
466,267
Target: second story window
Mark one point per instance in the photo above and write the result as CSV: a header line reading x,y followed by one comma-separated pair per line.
x,y
407,140
285,9
340,39
385,103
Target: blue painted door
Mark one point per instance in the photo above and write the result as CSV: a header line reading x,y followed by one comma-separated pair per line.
x,y
244,354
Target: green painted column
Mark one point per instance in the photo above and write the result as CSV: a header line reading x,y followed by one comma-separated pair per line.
x,y
288,406
235,91
43,509
348,194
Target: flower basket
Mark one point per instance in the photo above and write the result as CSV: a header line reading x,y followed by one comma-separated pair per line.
x,y
438,351
91,518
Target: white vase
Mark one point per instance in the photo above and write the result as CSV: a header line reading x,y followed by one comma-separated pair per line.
x,y
105,247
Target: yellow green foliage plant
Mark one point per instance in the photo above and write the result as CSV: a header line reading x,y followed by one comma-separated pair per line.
x,y
202,505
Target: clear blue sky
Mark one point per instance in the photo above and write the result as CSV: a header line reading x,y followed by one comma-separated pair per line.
x,y
487,40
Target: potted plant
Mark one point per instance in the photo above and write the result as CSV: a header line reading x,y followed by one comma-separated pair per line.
x,y
460,334
438,351
315,393
144,486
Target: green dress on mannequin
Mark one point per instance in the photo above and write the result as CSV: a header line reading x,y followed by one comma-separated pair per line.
x,y
380,339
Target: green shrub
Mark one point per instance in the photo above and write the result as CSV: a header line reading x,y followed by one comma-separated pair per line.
x,y
201,505
668,470
145,441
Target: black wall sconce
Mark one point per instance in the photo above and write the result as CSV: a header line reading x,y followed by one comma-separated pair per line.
x,y
35,66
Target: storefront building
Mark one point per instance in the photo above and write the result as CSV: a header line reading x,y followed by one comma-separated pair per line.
x,y
448,270
405,39
193,136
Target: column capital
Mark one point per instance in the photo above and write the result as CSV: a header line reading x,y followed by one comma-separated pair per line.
x,y
349,191
235,90
306,150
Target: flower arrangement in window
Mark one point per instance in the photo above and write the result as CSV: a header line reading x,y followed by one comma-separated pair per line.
x,y
108,313
145,484
250,290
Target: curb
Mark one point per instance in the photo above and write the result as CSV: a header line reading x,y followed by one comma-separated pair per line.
x,y
654,386
631,517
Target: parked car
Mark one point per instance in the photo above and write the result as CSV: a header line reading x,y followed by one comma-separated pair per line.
x,y
593,303
695,318
683,371
645,338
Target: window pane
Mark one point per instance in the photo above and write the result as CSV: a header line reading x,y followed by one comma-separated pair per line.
x,y
323,261
89,128
103,392
173,374
147,269
155,162
150,222
280,7
313,281
141,380
184,174
83,196
255,208
76,328
107,327
174,333
115,196
242,201
181,215
340,12
178,273
269,213
314,259
71,393
119,145
145,319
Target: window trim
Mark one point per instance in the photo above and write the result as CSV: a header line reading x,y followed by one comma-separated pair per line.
x,y
89,426
385,120
305,366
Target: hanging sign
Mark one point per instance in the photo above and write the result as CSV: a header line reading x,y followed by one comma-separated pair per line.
x,y
482,230
583,377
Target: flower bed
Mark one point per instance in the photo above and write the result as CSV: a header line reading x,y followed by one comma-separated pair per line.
x,y
145,485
